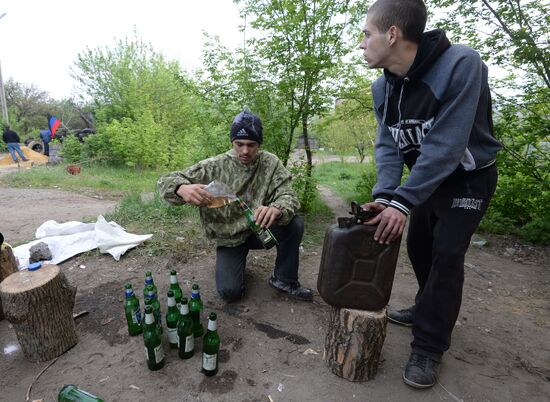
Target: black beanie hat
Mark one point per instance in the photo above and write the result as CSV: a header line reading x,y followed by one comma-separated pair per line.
x,y
247,126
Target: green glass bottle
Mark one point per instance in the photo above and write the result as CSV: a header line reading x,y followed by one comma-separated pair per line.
x,y
149,281
71,393
153,345
265,236
210,347
186,338
195,310
172,318
175,287
151,294
132,311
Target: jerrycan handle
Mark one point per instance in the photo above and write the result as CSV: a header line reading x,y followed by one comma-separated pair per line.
x,y
360,215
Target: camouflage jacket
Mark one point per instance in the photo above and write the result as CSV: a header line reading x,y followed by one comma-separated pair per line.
x,y
264,181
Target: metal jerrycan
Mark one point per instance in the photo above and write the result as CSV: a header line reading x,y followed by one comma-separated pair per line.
x,y
356,272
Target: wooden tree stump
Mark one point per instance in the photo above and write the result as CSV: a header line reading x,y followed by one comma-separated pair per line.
x,y
39,304
354,342
8,265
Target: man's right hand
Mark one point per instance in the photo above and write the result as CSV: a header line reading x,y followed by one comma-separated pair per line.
x,y
195,194
390,221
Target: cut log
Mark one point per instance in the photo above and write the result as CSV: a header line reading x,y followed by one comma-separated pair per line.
x,y
354,342
39,305
8,265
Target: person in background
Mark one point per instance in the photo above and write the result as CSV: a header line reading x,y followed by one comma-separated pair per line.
x,y
260,179
433,108
46,136
11,139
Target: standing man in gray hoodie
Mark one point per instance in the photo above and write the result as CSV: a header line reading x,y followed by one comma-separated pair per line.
x,y
433,108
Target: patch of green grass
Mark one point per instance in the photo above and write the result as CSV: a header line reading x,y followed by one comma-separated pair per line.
x,y
100,178
175,229
342,178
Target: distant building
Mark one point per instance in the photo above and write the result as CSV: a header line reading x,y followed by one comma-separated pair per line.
x,y
313,143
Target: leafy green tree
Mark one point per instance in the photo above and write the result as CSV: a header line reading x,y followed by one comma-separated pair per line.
x,y
27,106
351,125
303,43
513,35
148,112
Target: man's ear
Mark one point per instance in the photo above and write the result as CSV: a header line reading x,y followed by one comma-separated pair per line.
x,y
393,34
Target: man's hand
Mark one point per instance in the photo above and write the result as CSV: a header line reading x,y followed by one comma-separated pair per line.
x,y
265,216
194,194
390,221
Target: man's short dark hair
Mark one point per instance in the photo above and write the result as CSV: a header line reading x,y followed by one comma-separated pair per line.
x,y
408,15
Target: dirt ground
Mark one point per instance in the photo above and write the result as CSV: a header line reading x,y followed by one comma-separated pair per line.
x,y
272,347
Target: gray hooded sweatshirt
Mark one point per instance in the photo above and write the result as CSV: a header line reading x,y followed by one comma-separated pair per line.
x,y
437,120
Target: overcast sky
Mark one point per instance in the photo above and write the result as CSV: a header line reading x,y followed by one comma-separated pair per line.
x,y
40,40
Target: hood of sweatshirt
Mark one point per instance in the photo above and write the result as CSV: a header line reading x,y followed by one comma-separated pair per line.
x,y
431,46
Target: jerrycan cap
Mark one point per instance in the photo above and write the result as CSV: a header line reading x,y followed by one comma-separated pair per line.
x,y
34,266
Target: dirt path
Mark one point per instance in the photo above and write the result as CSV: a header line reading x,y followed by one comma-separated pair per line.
x,y
272,346
22,211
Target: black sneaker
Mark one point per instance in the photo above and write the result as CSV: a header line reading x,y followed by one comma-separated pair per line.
x,y
420,371
295,290
402,317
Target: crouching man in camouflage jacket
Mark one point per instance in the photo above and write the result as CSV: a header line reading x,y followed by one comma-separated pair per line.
x,y
259,178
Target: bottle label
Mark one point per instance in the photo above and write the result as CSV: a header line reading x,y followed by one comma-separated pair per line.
x,y
209,361
173,279
172,335
189,343
149,319
159,353
211,325
136,317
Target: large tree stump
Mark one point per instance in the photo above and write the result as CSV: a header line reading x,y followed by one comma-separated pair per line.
x,y
39,304
354,342
8,265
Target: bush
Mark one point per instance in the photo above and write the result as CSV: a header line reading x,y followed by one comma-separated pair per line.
x,y
71,151
304,184
366,182
520,206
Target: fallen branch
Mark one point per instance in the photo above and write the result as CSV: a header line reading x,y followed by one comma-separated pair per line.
x,y
37,377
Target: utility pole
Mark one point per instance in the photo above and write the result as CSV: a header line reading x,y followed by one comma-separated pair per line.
x,y
3,99
3,94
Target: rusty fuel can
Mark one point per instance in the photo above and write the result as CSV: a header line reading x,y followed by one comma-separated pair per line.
x,y
356,271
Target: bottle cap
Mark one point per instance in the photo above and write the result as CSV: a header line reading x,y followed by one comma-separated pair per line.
x,y
34,266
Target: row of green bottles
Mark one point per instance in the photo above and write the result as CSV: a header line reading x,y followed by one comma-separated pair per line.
x,y
265,236
133,314
183,337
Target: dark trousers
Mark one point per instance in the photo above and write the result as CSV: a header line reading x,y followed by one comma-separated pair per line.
x,y
231,261
439,234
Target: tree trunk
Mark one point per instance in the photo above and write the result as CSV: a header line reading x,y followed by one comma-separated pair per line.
x,y
8,265
39,304
354,342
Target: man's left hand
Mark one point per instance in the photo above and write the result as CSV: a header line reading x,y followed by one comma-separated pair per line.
x,y
265,216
